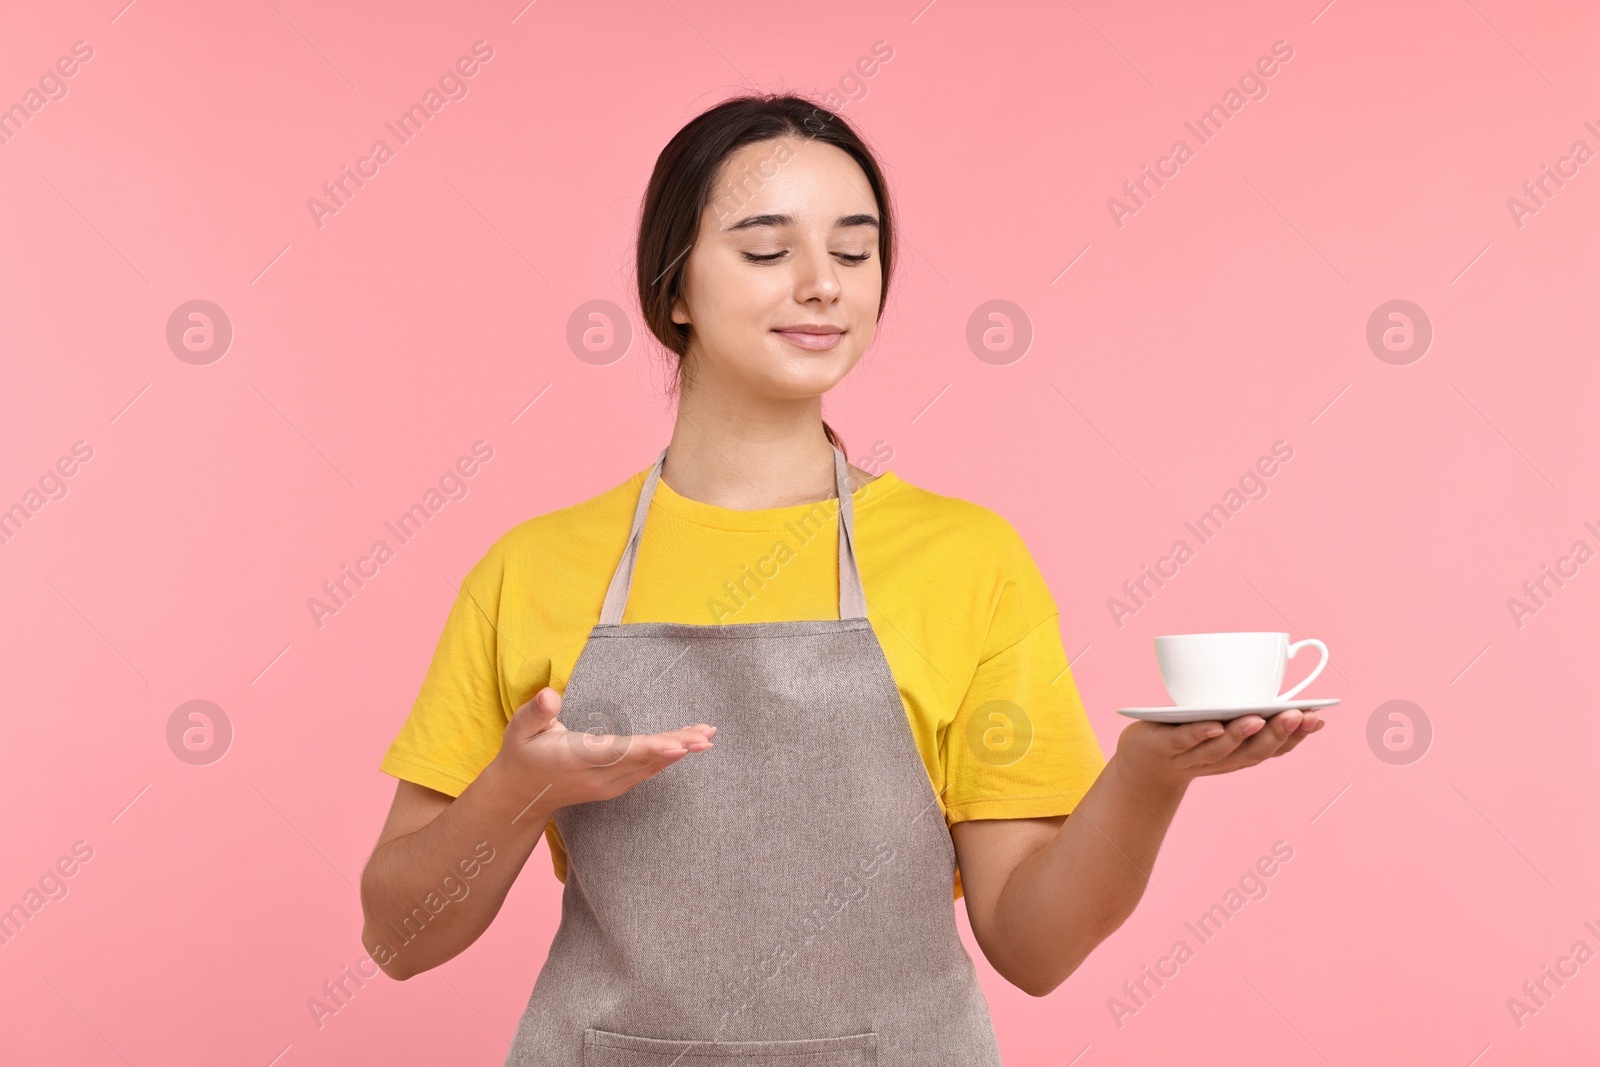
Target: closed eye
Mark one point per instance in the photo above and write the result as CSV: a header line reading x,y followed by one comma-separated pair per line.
x,y
772,257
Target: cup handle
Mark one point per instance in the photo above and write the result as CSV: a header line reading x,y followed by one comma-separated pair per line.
x,y
1308,679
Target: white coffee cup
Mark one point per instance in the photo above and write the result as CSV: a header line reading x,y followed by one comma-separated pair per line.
x,y
1230,668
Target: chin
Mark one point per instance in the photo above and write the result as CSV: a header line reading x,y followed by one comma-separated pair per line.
x,y
812,374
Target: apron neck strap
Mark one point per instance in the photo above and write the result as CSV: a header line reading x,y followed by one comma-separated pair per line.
x,y
852,599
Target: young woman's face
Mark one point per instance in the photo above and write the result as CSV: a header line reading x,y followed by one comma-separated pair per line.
x,y
796,246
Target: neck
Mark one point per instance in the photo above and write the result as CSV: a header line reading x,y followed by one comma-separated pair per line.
x,y
744,458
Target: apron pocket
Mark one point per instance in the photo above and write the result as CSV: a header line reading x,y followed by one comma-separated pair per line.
x,y
603,1048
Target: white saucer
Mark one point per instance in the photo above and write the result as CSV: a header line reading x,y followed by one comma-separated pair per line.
x,y
1222,712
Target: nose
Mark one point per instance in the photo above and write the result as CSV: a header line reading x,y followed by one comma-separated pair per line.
x,y
816,275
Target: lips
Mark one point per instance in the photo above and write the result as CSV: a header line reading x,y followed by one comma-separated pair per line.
x,y
813,337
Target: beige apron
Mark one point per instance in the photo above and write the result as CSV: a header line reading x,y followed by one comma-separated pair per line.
x,y
781,898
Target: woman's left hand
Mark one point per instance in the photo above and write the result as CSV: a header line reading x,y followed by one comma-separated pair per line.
x,y
1176,753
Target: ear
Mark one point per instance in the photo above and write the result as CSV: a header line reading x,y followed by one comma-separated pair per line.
x,y
680,312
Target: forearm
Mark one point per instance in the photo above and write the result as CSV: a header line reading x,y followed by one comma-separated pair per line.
x,y
1075,892
428,895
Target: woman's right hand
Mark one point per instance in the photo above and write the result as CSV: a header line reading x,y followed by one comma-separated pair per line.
x,y
557,766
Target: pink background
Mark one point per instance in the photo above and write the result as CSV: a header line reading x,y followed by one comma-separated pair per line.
x,y
1229,313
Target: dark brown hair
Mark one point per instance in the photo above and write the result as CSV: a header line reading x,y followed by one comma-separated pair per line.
x,y
682,184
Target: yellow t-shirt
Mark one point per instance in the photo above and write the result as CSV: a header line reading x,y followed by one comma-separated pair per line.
x,y
969,629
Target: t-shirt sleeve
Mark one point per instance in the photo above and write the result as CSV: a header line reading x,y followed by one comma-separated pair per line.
x,y
1021,745
459,717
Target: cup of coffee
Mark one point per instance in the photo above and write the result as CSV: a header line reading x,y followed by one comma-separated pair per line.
x,y
1231,668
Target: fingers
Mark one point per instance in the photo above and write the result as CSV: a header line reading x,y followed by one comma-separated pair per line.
x,y
635,770
1245,741
543,707
1220,740
1262,738
652,753
546,705
696,738
1309,725
649,747
1270,739
1188,735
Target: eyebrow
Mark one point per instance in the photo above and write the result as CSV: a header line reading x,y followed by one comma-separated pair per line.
x,y
788,220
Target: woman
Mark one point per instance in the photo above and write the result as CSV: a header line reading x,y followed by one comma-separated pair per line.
x,y
750,680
